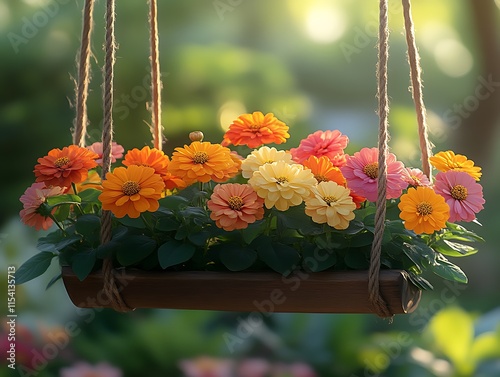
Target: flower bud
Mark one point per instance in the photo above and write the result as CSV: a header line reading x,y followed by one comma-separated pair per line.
x,y
196,136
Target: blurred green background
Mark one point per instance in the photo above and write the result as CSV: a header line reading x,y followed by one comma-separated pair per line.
x,y
312,63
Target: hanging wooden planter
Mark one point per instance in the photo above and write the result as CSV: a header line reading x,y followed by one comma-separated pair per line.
x,y
267,292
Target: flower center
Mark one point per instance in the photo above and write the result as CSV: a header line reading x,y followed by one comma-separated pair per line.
x,y
371,170
459,192
200,157
235,203
424,208
255,127
269,162
330,199
131,188
61,161
321,178
281,180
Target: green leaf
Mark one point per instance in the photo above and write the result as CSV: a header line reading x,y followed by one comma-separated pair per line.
x,y
89,227
174,202
134,249
296,218
133,223
89,195
174,252
61,245
453,332
448,271
420,282
199,238
54,280
83,263
281,258
316,259
63,199
48,243
62,212
34,267
237,259
253,231
167,224
362,239
357,259
454,249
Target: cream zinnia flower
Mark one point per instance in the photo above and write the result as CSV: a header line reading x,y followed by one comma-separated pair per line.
x,y
331,204
282,185
261,156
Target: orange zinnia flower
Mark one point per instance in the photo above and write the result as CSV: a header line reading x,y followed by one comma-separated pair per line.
x,y
156,159
66,166
444,161
202,162
131,191
324,170
256,129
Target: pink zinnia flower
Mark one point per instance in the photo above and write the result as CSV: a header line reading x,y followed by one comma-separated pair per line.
x,y
322,143
234,206
32,199
415,177
462,193
116,151
293,370
361,172
86,370
254,368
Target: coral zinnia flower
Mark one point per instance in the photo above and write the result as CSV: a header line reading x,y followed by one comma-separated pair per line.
x,y
415,177
462,193
282,185
131,191
32,199
324,170
361,172
256,129
261,156
82,369
66,166
156,159
423,211
322,143
444,161
331,204
116,151
202,162
234,206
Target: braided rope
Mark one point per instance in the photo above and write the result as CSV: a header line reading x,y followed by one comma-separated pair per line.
x,y
110,288
376,299
156,84
416,80
82,85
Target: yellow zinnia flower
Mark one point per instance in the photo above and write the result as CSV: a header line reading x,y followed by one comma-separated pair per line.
x,y
331,204
444,161
282,185
131,191
423,211
202,162
261,156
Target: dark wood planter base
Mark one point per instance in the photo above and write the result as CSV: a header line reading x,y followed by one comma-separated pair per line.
x,y
265,292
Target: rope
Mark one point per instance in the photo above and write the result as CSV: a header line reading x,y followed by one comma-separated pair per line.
x,y
82,86
376,299
416,80
156,84
110,288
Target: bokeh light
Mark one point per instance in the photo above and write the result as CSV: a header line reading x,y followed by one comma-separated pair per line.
x,y
325,23
453,58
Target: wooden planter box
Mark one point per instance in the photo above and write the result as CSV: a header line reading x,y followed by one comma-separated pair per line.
x,y
265,292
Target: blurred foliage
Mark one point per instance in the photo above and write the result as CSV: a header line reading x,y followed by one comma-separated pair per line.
x,y
279,56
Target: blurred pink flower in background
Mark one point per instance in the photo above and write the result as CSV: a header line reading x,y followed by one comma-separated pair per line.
x,y
82,369
254,368
205,366
116,151
293,370
415,177
32,199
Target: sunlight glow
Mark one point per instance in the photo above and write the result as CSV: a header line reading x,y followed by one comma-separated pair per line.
x,y
4,15
229,112
453,58
325,24
497,2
